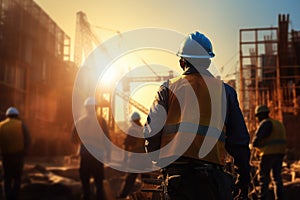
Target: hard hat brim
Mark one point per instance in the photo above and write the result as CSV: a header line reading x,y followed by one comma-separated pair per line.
x,y
195,56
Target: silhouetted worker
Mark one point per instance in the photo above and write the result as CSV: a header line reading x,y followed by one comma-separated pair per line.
x,y
90,140
270,139
188,123
14,144
135,145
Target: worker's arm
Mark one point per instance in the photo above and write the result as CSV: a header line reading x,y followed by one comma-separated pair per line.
x,y
27,138
155,121
75,137
237,136
105,129
264,130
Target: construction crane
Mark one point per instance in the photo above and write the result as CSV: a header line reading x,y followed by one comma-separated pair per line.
x,y
85,38
129,79
133,102
85,41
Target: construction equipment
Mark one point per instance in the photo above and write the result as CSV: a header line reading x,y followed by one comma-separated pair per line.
x,y
85,39
132,102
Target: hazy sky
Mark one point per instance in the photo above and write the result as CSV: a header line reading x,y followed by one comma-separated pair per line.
x,y
220,20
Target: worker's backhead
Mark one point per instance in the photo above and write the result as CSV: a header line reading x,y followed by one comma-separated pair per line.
x,y
135,116
90,104
12,112
261,110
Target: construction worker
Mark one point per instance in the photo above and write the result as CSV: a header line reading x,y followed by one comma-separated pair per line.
x,y
14,144
270,139
90,167
174,116
132,141
134,144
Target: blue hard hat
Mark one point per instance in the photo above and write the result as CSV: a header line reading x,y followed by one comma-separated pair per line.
x,y
196,45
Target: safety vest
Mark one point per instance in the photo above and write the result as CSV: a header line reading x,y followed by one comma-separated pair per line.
x,y
193,109
11,136
135,144
276,142
90,138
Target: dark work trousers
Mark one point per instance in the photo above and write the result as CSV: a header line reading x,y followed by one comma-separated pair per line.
x,y
90,167
201,183
129,183
13,168
271,162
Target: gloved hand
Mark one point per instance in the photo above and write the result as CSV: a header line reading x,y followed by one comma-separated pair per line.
x,y
240,191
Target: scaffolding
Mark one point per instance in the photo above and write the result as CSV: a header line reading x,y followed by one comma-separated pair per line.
x,y
36,75
269,71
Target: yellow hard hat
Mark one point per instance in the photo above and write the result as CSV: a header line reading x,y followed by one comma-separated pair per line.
x,y
261,109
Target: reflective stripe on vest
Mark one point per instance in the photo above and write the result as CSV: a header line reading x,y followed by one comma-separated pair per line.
x,y
276,142
11,136
185,127
190,116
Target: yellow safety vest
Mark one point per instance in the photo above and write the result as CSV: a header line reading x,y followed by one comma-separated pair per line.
x,y
276,142
180,118
11,136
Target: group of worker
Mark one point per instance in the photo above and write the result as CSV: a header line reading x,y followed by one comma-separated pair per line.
x,y
198,119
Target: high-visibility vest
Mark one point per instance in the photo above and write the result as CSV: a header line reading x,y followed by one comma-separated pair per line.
x,y
132,143
275,143
11,136
89,136
192,109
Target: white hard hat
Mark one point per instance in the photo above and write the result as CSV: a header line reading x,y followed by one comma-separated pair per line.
x,y
90,101
12,111
135,116
196,45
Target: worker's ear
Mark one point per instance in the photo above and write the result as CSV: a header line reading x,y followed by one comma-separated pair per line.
x,y
182,63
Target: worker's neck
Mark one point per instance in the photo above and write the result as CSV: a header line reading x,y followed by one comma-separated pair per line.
x,y
193,70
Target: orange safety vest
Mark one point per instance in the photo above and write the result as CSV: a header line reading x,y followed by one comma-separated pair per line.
x,y
276,142
11,136
181,119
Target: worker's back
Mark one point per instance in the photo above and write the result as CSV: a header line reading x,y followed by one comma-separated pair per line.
x,y
191,111
11,136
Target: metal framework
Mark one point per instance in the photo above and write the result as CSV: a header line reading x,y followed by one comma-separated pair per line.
x,y
35,73
269,72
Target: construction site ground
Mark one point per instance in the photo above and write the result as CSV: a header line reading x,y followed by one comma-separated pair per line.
x,y
58,178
